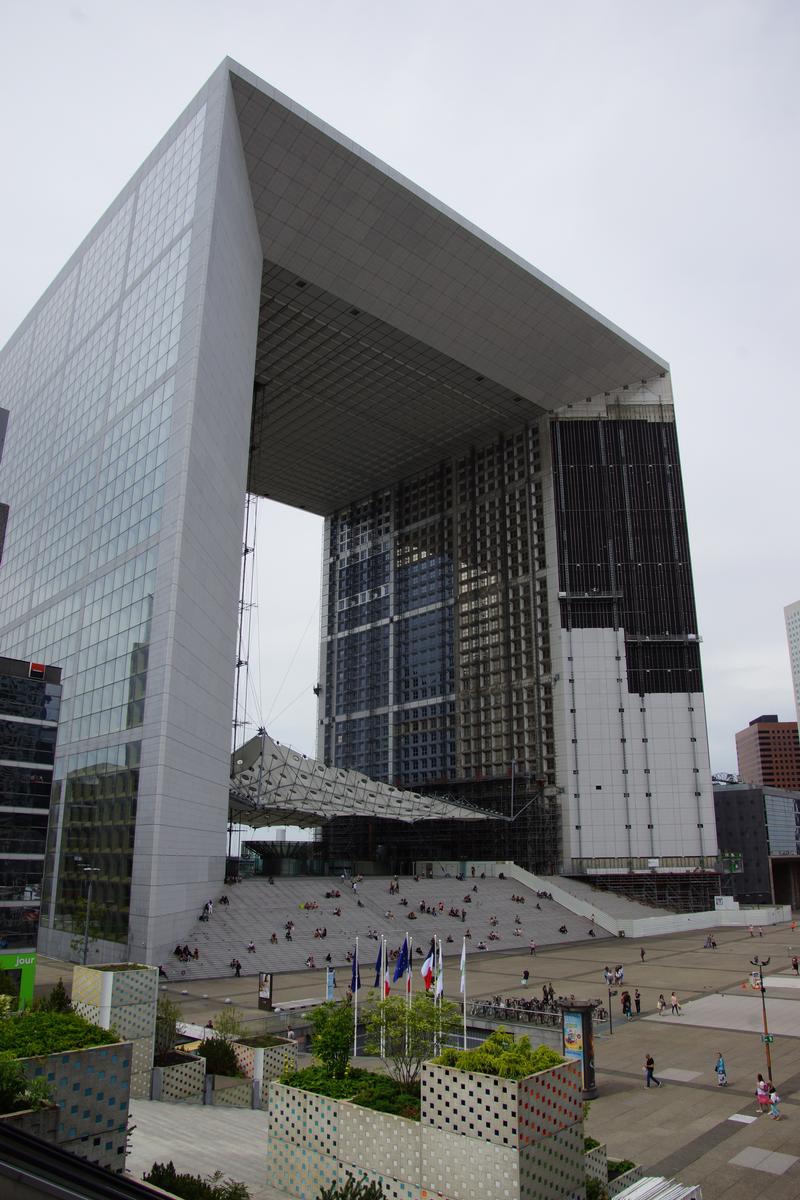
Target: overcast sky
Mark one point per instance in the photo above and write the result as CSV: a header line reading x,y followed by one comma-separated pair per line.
x,y
643,154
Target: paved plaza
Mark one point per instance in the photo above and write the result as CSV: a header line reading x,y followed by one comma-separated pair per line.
x,y
690,1127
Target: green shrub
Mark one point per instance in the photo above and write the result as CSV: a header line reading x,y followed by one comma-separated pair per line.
x,y
17,1092
354,1189
590,1143
34,1033
618,1166
56,1000
596,1190
367,1088
194,1187
220,1057
333,1037
501,1055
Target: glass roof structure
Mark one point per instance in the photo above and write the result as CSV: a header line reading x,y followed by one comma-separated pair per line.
x,y
272,784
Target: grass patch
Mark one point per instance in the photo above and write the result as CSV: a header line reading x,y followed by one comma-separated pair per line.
x,y
35,1033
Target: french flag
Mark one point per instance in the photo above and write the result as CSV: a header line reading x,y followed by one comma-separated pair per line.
x,y
426,970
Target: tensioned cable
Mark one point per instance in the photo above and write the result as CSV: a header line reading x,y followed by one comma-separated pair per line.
x,y
292,662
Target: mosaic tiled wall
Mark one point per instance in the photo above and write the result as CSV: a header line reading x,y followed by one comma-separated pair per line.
x,y
303,1118
236,1095
548,1102
266,1062
552,1168
379,1143
393,1189
123,999
463,1102
92,1089
595,1164
468,1168
180,1082
622,1181
299,1170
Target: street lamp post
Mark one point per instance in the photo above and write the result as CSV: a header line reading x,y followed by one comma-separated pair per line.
x,y
611,992
757,962
90,873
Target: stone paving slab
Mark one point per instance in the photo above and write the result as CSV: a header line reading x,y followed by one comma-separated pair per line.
x,y
741,1013
764,1160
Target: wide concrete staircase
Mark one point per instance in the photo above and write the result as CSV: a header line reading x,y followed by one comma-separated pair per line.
x,y
258,908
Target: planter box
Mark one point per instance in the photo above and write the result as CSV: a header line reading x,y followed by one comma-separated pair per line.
x,y
122,996
595,1164
479,1138
92,1089
229,1090
622,1181
180,1083
41,1122
264,1063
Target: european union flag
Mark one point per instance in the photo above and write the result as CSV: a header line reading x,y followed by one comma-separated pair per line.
x,y
401,966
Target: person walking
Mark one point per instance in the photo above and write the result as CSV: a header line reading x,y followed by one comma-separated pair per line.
x,y
762,1094
676,1008
774,1101
661,1005
722,1074
637,1000
795,965
649,1069
532,947
641,953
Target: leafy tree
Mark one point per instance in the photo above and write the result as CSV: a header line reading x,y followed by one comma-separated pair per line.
x,y
194,1187
220,1057
333,1036
229,1024
17,1092
501,1055
57,1000
410,1032
167,1017
96,926
354,1189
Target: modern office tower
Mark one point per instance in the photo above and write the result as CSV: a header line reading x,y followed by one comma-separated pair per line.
x,y
768,752
792,617
758,829
267,307
30,697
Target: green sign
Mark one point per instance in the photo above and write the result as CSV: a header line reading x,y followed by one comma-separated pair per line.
x,y
767,1039
25,963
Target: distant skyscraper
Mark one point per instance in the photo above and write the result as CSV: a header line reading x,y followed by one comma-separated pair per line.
x,y
792,616
768,752
507,587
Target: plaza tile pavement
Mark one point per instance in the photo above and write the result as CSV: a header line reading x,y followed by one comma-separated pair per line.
x,y
687,1128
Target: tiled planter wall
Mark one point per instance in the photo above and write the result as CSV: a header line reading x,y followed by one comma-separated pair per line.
x,y
266,1062
41,1122
92,1089
595,1164
123,999
182,1082
480,1138
622,1181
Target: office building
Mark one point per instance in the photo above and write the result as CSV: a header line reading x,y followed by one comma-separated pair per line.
x,y
30,697
768,752
758,829
268,307
791,615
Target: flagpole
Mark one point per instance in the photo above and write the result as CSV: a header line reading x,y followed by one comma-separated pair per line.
x,y
464,984
409,983
355,1003
383,996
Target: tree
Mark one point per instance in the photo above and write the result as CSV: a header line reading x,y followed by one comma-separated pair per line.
x,y
410,1032
56,1000
333,1036
167,1017
229,1024
96,927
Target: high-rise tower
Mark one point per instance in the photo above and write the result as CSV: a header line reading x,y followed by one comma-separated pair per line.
x,y
268,307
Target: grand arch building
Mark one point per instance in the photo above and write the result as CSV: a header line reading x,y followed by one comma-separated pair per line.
x,y
506,578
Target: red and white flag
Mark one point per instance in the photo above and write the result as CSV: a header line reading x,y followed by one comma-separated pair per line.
x,y
426,970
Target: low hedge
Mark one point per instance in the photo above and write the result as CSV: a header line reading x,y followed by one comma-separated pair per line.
x,y
37,1033
366,1088
500,1055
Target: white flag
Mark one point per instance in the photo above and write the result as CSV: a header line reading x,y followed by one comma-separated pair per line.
x,y
463,987
439,990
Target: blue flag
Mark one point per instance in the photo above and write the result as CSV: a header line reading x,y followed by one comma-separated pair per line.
x,y
355,981
378,966
401,966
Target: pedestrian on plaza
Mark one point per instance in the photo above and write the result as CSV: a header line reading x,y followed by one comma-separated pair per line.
x,y
532,947
676,1008
607,975
641,953
774,1101
661,1005
525,977
649,1068
795,965
751,931
625,1000
637,1000
762,1094
722,1074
